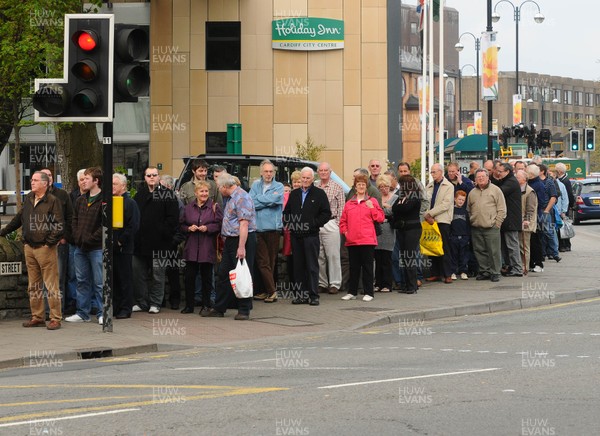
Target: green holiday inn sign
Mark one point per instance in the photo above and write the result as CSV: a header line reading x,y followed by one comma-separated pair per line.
x,y
307,34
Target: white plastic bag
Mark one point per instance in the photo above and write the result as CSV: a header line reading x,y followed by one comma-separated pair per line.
x,y
241,280
567,231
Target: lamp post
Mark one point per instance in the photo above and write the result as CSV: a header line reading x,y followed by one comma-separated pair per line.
x,y
538,18
460,76
459,47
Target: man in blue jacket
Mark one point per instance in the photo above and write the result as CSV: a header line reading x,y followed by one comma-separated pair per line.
x,y
267,195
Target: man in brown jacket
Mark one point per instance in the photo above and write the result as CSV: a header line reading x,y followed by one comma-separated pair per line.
x,y
43,226
487,211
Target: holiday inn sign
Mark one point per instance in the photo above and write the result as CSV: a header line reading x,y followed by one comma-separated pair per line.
x,y
307,34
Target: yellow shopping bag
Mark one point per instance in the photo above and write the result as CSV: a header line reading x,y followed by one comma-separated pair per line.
x,y
431,240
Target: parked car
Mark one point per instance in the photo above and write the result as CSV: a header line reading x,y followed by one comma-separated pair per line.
x,y
587,204
247,168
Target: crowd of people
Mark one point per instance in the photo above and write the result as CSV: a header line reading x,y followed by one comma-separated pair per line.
x,y
499,220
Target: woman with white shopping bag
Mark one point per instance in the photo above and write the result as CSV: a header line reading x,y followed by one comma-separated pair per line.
x,y
239,230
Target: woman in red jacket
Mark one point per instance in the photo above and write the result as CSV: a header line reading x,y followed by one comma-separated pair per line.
x,y
358,225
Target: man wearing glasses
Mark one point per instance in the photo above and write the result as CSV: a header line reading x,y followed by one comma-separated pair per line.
x,y
159,218
43,226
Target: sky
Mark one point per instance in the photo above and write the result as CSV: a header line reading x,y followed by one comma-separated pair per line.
x,y
566,44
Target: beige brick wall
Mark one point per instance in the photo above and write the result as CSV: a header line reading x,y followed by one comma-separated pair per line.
x,y
339,97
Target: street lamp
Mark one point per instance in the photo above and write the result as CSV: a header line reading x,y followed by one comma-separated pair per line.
x,y
459,47
460,76
538,18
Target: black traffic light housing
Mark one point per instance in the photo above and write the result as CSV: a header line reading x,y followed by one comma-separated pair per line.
x,y
132,51
85,92
590,139
574,134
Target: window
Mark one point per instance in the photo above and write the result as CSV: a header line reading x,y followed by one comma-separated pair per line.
x,y
567,119
413,28
533,116
578,98
546,94
223,45
589,99
597,99
545,117
556,118
578,120
556,94
568,95
522,90
589,119
535,91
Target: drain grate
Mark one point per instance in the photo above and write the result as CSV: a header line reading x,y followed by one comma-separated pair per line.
x,y
95,354
288,322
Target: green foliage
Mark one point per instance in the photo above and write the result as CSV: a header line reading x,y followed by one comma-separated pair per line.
x,y
309,150
14,236
130,187
415,169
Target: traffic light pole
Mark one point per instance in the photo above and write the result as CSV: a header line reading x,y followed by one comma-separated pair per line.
x,y
107,229
490,121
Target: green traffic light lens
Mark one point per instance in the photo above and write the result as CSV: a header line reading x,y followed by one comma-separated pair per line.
x,y
86,100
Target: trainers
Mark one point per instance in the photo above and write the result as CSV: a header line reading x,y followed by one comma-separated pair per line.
x,y
136,308
76,318
376,289
53,325
367,298
154,309
348,297
261,296
453,277
538,269
464,276
100,320
34,323
384,290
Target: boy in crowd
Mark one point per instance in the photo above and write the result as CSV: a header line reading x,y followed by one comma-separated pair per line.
x,y
460,235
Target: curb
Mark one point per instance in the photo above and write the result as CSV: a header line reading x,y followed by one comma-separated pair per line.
x,y
480,308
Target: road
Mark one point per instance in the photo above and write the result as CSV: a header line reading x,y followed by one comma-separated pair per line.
x,y
529,372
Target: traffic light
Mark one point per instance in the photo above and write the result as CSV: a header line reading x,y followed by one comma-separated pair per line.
x,y
574,140
132,79
590,139
84,93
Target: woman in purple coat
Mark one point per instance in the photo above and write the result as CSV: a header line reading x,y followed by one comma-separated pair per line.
x,y
200,222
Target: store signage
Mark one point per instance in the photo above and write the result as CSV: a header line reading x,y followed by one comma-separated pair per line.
x,y
308,34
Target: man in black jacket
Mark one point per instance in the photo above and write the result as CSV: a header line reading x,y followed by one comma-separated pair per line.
x,y
159,218
123,249
512,265
306,211
63,245
43,226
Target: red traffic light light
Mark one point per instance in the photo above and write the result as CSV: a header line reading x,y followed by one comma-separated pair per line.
x,y
87,40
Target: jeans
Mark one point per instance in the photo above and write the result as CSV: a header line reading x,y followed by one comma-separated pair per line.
x,y
88,268
548,236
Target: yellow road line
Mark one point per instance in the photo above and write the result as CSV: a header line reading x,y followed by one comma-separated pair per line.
x,y
229,393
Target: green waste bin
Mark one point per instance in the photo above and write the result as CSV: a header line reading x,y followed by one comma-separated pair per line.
x,y
234,138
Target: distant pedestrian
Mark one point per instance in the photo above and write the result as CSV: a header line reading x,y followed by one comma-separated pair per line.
x,y
306,211
487,211
529,203
239,230
460,237
43,226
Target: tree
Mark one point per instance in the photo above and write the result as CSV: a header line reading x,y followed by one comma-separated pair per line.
x,y
32,44
309,150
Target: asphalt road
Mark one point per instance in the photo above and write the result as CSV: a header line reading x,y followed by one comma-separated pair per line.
x,y
529,372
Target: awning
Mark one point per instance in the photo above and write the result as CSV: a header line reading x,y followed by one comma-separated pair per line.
x,y
469,144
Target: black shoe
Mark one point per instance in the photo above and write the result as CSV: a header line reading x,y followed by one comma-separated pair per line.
x,y
482,277
513,274
414,291
314,302
557,258
495,277
241,317
300,301
175,306
187,309
123,315
203,311
212,313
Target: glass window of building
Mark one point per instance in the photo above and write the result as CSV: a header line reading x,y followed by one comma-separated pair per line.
x,y
578,98
223,46
567,119
589,99
556,118
568,94
557,94
413,28
533,116
597,99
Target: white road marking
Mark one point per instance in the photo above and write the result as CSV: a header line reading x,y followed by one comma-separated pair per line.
x,y
408,378
63,418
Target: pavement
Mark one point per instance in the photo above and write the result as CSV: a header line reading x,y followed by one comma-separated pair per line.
x,y
574,278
